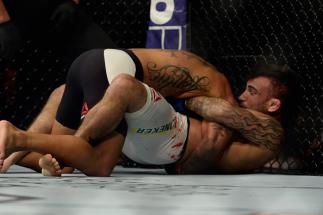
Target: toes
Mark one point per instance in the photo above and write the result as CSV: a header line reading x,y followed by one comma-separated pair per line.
x,y
56,166
55,163
48,156
53,160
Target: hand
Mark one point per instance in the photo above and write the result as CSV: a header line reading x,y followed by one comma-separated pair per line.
x,y
63,17
10,40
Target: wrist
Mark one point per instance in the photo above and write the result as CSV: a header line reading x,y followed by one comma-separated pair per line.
x,y
188,103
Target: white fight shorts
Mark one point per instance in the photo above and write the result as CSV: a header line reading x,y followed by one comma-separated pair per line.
x,y
118,62
156,133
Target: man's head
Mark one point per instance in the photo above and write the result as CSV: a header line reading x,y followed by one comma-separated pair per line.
x,y
268,89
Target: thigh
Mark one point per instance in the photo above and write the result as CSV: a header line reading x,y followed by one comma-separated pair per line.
x,y
86,83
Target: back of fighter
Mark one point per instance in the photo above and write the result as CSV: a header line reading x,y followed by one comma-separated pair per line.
x,y
182,74
172,73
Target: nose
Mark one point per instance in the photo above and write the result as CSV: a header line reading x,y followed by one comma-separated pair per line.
x,y
242,97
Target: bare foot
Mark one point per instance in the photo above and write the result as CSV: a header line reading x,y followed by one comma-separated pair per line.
x,y
9,140
12,159
50,166
7,163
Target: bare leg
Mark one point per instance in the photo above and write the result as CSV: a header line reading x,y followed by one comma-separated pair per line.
x,y
45,120
125,94
42,124
31,159
109,153
71,150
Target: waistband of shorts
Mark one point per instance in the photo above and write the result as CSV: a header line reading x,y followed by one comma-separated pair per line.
x,y
139,70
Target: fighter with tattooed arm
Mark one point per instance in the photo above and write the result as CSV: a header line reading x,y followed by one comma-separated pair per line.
x,y
168,71
265,105
176,139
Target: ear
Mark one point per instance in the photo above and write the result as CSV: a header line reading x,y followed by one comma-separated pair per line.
x,y
273,105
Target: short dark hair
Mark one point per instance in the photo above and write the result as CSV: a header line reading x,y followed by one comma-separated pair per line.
x,y
286,84
284,80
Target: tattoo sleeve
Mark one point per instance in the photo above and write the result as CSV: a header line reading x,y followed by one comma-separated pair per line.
x,y
259,129
177,77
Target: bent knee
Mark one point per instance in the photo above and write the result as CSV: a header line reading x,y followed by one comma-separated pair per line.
x,y
126,83
58,92
124,78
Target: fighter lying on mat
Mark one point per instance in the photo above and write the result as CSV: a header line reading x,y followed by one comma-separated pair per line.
x,y
165,70
209,146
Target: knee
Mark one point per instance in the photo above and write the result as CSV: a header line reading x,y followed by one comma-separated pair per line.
x,y
126,84
58,92
128,92
124,79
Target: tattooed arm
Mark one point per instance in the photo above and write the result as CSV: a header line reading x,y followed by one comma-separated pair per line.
x,y
256,127
260,143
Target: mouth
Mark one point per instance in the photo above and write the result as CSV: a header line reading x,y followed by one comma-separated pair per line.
x,y
242,104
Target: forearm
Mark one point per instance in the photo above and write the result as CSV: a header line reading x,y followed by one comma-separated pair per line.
x,y
258,129
4,16
210,108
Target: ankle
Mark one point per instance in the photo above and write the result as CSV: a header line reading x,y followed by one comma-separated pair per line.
x,y
21,140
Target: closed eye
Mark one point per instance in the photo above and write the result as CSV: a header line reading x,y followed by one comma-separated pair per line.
x,y
252,90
